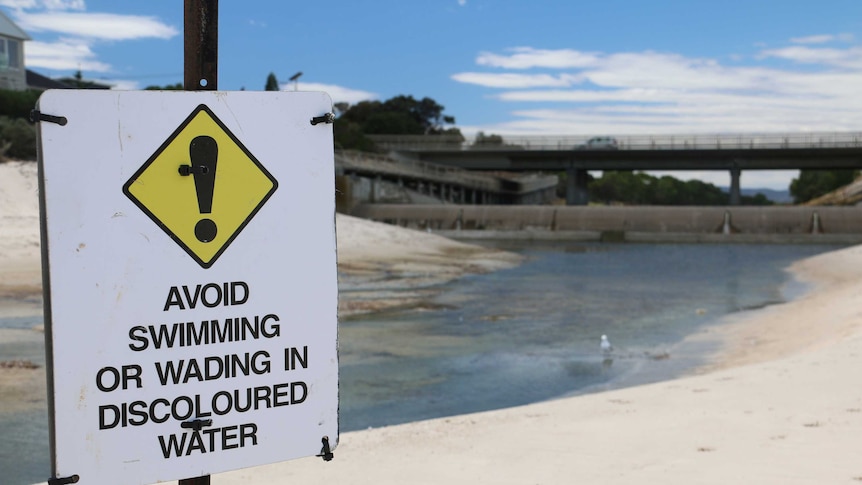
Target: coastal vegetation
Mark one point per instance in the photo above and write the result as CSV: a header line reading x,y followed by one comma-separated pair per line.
x,y
638,188
17,138
400,115
812,184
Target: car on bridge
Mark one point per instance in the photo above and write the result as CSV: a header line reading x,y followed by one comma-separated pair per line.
x,y
599,143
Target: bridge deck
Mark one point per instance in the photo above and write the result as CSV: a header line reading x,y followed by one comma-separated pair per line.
x,y
695,152
627,142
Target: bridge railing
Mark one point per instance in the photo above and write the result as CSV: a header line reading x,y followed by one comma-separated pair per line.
x,y
625,142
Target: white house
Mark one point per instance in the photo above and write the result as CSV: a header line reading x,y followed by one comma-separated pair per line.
x,y
13,73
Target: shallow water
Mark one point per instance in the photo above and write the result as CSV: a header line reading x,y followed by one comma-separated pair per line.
x,y
532,333
506,338
24,450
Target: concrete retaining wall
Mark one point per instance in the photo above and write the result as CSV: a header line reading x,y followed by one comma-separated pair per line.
x,y
641,220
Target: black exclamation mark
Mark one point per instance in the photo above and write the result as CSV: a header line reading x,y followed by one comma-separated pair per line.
x,y
203,152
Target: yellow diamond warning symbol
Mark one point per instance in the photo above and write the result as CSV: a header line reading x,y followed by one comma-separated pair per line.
x,y
202,186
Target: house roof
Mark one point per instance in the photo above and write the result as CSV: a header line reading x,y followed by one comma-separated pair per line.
x,y
75,83
38,81
9,29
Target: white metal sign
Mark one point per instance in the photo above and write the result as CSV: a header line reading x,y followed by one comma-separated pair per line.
x,y
190,281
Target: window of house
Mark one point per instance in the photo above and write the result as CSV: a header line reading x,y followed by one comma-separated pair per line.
x,y
12,46
10,57
4,56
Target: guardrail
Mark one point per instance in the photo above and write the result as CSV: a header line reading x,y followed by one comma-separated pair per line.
x,y
625,142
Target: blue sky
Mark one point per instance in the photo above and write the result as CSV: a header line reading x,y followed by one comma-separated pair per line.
x,y
618,67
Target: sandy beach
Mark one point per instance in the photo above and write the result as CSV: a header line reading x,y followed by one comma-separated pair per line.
x,y
780,403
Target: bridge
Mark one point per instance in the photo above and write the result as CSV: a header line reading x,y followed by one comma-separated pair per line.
x,y
733,153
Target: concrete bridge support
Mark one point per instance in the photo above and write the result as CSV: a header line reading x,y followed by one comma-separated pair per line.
x,y
735,193
375,188
576,186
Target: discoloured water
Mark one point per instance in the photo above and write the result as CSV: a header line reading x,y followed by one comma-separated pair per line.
x,y
533,332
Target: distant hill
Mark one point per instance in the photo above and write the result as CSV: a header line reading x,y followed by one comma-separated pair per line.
x,y
777,196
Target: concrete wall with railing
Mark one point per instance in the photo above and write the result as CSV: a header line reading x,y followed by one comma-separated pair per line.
x,y
764,224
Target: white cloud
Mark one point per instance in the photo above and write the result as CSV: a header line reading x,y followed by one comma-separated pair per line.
x,y
45,4
66,37
516,81
664,71
652,92
64,4
813,39
847,58
645,69
527,57
97,25
339,94
18,4
66,54
822,39
461,3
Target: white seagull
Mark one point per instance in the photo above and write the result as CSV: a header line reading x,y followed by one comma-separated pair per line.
x,y
607,348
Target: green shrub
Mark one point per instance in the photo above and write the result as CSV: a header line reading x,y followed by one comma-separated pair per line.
x,y
22,136
17,104
17,134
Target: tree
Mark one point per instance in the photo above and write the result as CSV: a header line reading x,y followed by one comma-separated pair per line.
x,y
638,188
272,83
78,81
426,112
392,123
756,199
814,183
340,107
490,140
621,187
401,115
349,135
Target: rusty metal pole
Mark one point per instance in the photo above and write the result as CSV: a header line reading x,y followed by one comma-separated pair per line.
x,y
200,74
201,45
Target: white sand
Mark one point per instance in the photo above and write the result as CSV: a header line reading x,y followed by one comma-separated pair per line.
x,y
782,403
783,407
20,269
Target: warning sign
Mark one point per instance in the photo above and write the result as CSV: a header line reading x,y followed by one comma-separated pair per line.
x,y
189,330
202,186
